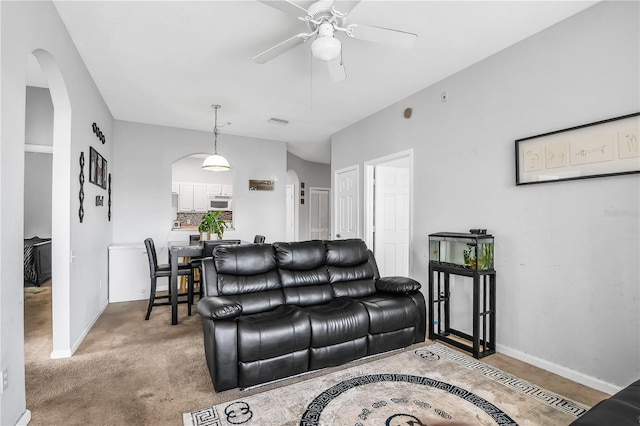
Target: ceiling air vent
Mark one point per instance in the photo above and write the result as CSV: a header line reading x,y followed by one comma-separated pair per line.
x,y
279,121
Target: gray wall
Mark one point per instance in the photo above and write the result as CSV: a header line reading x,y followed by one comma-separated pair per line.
x,y
567,271
38,166
38,117
314,175
79,250
141,182
37,195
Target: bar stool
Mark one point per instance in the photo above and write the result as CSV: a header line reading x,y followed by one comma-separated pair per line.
x,y
183,279
164,270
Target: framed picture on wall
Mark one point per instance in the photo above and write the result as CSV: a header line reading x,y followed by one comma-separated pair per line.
x,y
97,168
93,171
104,173
605,148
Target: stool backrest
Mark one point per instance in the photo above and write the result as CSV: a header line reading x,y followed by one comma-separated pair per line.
x,y
259,239
210,245
151,254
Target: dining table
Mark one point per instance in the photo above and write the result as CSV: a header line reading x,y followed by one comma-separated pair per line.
x,y
177,250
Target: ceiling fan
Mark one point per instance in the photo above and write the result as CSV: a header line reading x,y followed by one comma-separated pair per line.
x,y
324,19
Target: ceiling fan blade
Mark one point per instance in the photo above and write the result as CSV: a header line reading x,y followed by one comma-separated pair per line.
x,y
336,69
279,49
296,9
345,6
393,38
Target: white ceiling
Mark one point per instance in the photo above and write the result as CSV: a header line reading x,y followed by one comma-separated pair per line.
x,y
167,62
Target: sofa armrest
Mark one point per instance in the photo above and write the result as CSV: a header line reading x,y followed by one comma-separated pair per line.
x,y
216,308
399,285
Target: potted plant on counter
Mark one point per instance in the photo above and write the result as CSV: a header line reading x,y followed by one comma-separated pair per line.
x,y
202,228
212,223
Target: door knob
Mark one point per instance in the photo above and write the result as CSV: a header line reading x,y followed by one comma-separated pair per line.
x,y
337,235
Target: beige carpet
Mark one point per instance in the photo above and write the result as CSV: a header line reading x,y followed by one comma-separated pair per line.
x,y
129,371
426,385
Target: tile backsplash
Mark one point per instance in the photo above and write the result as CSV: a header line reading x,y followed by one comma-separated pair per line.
x,y
194,219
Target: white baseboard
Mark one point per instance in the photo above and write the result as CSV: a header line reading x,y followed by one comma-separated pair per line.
x,y
25,419
67,353
565,372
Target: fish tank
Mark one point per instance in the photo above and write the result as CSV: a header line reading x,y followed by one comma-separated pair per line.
x,y
471,251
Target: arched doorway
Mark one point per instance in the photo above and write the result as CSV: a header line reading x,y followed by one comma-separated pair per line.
x,y
60,205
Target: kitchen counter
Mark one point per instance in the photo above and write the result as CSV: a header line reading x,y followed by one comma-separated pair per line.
x,y
190,228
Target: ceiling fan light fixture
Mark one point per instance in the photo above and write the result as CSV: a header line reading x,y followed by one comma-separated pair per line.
x,y
326,47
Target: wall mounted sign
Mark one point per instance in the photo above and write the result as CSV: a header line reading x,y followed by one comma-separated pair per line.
x,y
605,148
261,185
97,168
98,133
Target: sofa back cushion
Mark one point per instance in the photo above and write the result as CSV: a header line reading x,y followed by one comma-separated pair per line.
x,y
247,274
303,272
351,272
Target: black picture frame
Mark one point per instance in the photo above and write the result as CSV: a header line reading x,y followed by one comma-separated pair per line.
x,y
104,173
97,168
93,154
604,148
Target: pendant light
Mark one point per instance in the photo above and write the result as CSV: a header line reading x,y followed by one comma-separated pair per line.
x,y
216,162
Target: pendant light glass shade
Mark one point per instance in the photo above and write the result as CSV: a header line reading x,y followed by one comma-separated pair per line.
x,y
216,162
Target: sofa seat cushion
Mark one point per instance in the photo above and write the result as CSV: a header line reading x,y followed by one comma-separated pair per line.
x,y
338,321
389,313
281,331
267,370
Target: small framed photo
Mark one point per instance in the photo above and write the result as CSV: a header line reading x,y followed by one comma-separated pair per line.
x,y
99,164
104,173
97,168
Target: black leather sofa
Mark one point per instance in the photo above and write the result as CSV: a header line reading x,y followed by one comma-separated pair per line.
x,y
621,409
272,311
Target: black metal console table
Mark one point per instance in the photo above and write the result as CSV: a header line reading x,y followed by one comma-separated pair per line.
x,y
449,257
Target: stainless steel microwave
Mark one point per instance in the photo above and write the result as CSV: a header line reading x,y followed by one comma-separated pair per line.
x,y
220,203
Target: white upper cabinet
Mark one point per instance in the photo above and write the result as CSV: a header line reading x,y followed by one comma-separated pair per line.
x,y
193,197
214,189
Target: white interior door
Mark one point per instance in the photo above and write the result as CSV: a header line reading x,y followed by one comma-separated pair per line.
x,y
319,213
391,220
346,202
290,206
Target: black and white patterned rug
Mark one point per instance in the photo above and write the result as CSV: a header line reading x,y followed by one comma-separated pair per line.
x,y
430,385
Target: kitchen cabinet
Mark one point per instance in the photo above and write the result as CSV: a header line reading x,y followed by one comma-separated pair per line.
x,y
227,190
193,197
175,187
200,199
214,189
